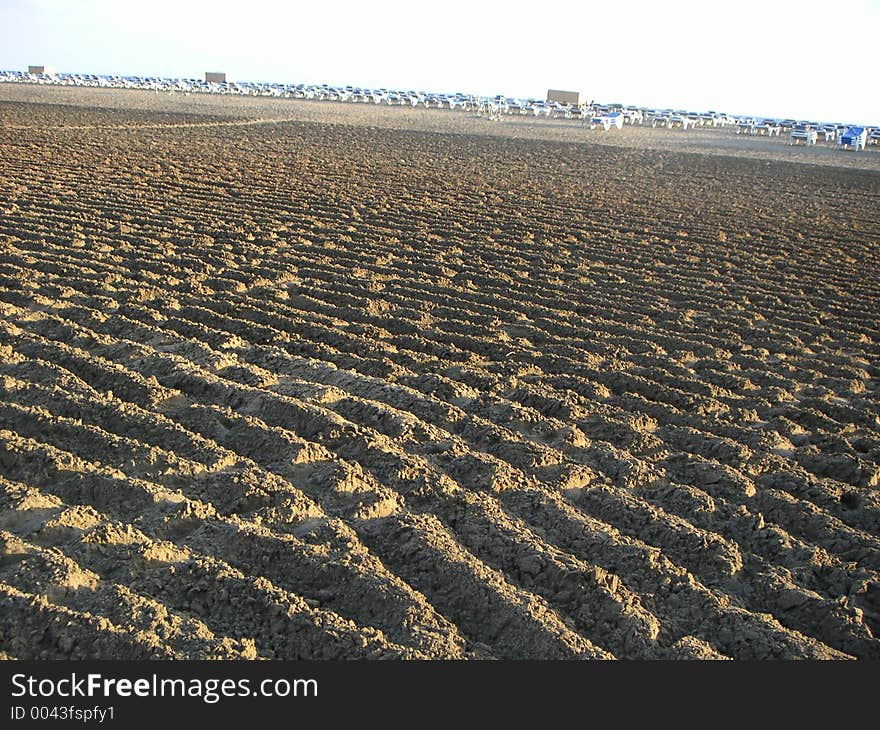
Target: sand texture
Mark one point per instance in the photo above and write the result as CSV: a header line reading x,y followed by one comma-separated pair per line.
x,y
301,380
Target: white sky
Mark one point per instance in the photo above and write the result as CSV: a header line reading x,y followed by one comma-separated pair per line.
x,y
805,59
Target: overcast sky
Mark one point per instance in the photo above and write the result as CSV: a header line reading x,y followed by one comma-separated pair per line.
x,y
805,59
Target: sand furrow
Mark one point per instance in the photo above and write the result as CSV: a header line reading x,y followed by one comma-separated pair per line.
x,y
391,383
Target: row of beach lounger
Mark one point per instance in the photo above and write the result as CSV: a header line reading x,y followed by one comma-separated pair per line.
x,y
809,133
591,114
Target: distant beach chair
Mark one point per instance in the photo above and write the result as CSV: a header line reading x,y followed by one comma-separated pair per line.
x,y
801,134
541,108
767,128
494,110
606,121
853,138
829,132
633,116
680,121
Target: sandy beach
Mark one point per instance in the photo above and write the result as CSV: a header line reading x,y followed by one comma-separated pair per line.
x,y
286,379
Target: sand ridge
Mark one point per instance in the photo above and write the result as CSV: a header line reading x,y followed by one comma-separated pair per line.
x,y
304,390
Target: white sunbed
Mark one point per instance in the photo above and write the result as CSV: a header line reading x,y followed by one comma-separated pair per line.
x,y
807,136
768,129
606,121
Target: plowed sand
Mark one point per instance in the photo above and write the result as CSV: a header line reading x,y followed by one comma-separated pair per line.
x,y
299,380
